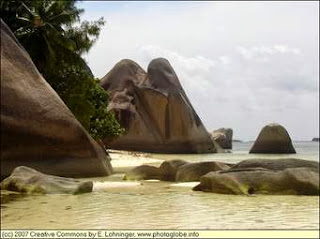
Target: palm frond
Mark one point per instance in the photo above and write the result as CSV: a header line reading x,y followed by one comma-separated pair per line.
x,y
51,55
25,19
62,18
23,31
28,9
50,4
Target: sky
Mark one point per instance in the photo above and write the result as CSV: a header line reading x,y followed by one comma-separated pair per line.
x,y
242,64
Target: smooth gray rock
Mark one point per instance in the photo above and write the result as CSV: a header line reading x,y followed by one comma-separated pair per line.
x,y
194,171
168,169
277,164
143,172
29,181
246,181
273,139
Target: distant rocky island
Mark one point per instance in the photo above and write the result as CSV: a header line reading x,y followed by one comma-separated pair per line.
x,y
315,140
223,137
237,141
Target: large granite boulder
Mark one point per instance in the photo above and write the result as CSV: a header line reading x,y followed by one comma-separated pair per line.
x,y
154,109
273,139
37,128
223,137
290,181
194,171
29,181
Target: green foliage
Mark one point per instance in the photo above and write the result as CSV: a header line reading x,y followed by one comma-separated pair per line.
x,y
102,122
72,82
9,11
46,30
85,35
40,28
87,99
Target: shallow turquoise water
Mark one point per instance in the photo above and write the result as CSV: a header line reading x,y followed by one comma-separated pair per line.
x,y
305,150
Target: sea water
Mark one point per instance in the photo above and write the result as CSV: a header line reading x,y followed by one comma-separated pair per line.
x,y
151,204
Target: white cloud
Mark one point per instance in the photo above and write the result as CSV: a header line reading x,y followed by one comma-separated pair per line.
x,y
225,60
242,64
195,71
258,51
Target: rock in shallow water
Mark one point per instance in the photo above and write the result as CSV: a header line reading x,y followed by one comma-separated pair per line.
x,y
273,139
194,171
291,181
277,164
282,177
29,181
168,169
143,172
